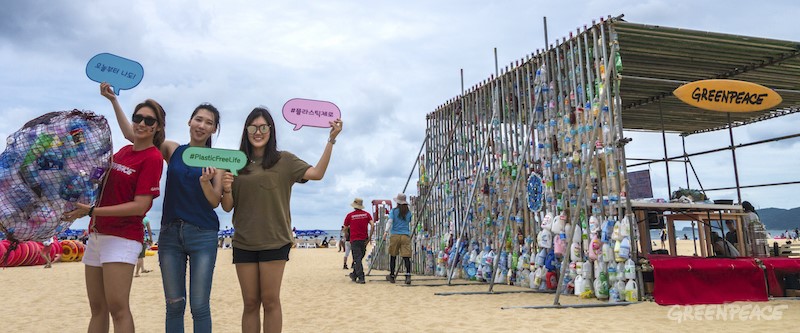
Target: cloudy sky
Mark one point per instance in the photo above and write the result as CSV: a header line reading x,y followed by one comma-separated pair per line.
x,y
385,64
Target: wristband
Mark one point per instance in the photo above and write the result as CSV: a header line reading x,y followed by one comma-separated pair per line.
x,y
91,211
332,141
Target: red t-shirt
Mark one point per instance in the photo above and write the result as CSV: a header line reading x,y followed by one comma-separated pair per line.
x,y
132,173
357,220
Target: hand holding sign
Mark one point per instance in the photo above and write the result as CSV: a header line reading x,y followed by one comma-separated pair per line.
x,y
308,112
228,159
121,73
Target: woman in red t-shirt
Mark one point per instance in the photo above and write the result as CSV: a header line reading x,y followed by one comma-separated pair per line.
x,y
116,222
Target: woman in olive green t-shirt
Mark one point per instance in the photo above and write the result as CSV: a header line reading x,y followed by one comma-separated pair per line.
x,y
260,196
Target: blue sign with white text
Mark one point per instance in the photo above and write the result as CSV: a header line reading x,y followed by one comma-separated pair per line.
x,y
121,73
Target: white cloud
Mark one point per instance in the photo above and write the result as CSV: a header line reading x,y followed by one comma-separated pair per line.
x,y
385,64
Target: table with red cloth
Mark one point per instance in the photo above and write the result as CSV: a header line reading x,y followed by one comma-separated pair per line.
x,y
695,280
777,267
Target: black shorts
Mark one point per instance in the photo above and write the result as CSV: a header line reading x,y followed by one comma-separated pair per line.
x,y
244,256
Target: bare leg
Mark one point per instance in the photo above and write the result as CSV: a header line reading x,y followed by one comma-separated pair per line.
x,y
139,265
97,300
271,275
45,253
117,279
248,274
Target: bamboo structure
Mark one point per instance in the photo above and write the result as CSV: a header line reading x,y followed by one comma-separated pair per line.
x,y
553,114
555,119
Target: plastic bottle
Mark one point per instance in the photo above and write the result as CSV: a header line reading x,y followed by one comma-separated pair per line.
x,y
587,269
631,291
608,229
539,261
594,225
608,252
625,227
558,224
601,286
577,234
624,249
620,286
545,239
613,295
612,273
630,269
579,285
595,247
559,244
615,234
547,221
575,252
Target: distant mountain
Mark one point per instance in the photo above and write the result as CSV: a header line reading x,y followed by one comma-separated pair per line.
x,y
776,218
780,219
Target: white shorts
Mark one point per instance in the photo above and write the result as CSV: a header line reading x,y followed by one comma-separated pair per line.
x,y
346,249
102,249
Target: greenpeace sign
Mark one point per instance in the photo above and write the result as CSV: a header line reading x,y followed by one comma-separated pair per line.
x,y
728,96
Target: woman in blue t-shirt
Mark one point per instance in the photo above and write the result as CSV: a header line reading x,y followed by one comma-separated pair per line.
x,y
189,225
400,241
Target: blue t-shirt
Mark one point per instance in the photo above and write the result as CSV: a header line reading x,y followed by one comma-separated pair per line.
x,y
184,198
400,226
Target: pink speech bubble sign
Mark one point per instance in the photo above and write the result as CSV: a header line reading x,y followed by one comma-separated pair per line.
x,y
308,112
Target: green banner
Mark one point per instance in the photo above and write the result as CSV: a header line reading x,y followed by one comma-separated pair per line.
x,y
228,159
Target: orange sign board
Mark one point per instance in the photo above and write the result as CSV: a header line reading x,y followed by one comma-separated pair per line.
x,y
728,95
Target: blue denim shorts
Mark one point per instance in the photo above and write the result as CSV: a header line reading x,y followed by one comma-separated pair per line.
x,y
244,256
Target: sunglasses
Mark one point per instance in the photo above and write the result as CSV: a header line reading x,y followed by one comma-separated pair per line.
x,y
149,121
261,128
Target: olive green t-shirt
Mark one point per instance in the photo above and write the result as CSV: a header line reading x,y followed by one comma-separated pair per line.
x,y
261,213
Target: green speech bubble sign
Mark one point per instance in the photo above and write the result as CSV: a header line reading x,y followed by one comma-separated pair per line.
x,y
228,159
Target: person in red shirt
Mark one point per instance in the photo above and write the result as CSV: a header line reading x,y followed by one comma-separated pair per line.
x,y
116,225
361,227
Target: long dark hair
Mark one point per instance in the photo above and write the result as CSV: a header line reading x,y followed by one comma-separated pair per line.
x,y
748,207
210,108
271,153
403,210
159,136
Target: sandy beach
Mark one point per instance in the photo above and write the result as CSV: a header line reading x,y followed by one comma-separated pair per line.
x,y
318,297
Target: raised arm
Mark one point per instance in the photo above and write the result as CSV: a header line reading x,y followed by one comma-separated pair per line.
x,y
212,190
318,171
122,120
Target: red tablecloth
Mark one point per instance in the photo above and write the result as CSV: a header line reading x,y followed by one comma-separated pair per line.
x,y
776,268
691,280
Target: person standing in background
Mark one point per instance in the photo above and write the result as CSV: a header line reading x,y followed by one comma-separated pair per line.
x,y
148,240
45,253
341,242
361,227
347,246
400,241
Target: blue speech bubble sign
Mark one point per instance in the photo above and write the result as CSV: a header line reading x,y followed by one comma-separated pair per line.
x,y
119,72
